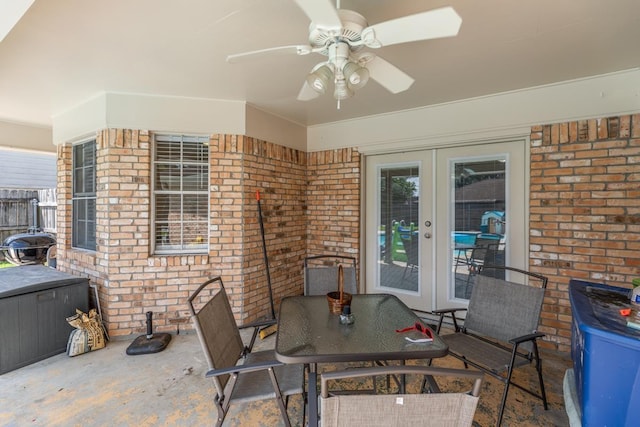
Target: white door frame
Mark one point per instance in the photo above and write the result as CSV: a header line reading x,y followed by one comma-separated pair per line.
x,y
435,192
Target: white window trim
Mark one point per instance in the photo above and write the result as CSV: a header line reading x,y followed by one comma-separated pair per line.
x,y
204,249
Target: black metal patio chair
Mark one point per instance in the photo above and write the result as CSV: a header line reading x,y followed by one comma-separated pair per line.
x,y
260,376
500,331
321,274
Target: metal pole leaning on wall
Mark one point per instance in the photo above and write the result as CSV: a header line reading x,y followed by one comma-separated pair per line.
x,y
266,258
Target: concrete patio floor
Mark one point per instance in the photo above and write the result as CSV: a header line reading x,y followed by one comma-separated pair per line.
x,y
109,388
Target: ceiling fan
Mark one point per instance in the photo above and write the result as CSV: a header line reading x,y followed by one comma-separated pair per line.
x,y
341,35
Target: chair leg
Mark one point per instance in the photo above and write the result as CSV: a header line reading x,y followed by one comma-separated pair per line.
x,y
507,384
503,402
221,412
539,369
429,384
469,276
281,404
304,406
464,360
221,401
304,394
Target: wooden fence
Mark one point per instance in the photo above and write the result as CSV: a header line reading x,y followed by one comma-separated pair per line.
x,y
16,211
48,204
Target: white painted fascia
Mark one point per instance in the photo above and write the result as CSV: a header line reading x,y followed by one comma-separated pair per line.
x,y
499,116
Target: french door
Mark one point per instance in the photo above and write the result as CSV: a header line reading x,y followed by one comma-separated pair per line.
x,y
434,216
399,203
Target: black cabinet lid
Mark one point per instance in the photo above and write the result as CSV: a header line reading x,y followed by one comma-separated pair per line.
x,y
33,278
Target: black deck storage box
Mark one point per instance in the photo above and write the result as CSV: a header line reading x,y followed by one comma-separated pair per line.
x,y
34,304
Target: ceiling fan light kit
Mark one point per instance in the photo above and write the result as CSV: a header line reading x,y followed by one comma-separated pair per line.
x,y
347,76
342,91
341,34
355,75
320,78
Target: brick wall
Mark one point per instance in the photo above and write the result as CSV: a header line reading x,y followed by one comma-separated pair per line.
x,y
585,210
131,281
240,167
333,203
584,221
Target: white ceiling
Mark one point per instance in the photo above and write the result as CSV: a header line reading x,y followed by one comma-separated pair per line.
x,y
63,52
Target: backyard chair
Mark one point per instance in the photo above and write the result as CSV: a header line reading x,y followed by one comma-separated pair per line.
x,y
412,251
422,409
260,377
483,248
482,254
321,274
500,331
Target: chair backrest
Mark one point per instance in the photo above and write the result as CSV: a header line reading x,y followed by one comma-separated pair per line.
x,y
411,249
503,309
422,409
216,327
482,246
495,257
321,274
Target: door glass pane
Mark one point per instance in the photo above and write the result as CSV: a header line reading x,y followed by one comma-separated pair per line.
x,y
399,216
479,219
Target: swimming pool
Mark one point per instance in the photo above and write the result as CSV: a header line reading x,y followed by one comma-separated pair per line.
x,y
464,237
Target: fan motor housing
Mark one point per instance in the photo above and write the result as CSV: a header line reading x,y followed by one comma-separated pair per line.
x,y
352,25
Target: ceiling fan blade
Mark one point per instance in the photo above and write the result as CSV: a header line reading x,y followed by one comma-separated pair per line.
x,y
388,75
322,13
307,93
281,50
433,24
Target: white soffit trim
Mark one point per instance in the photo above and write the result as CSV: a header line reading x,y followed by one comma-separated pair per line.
x,y
149,112
23,136
175,114
275,129
11,11
499,116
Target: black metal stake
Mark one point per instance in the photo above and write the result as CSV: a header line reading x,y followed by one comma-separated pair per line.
x,y
266,258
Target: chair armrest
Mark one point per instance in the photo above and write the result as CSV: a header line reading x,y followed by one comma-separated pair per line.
x,y
443,312
239,369
259,324
528,337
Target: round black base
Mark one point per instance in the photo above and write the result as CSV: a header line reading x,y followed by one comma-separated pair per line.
x,y
144,345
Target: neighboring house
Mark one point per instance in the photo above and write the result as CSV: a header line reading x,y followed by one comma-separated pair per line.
x,y
27,170
26,175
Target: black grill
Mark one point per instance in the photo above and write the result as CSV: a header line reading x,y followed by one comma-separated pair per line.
x,y
27,248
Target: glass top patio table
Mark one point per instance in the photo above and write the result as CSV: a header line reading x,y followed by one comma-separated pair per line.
x,y
309,333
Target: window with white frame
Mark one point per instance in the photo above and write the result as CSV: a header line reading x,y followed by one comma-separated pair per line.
x,y
181,194
83,228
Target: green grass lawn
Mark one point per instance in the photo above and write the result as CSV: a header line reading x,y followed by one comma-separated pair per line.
x,y
5,264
